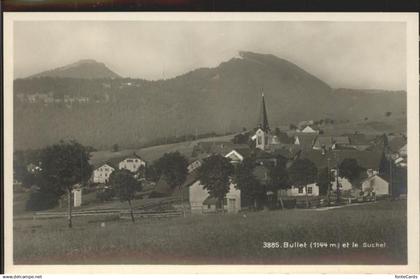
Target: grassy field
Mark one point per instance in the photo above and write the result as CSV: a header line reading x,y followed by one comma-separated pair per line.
x,y
153,153
220,239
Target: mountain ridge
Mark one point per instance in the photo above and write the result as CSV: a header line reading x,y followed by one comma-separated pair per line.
x,y
84,68
131,112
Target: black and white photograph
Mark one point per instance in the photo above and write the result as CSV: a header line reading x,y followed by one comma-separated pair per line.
x,y
172,139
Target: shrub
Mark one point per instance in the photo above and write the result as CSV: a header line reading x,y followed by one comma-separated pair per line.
x,y
105,194
41,200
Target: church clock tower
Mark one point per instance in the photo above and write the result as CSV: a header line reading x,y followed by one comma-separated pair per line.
x,y
263,135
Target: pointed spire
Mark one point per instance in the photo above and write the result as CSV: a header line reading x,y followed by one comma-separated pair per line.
x,y
263,115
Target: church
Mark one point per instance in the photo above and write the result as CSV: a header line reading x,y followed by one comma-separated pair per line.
x,y
263,137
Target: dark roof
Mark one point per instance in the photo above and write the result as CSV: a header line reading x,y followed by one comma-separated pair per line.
x,y
199,157
323,141
395,143
306,140
245,152
261,154
114,162
366,159
328,141
111,162
360,139
341,139
133,155
191,178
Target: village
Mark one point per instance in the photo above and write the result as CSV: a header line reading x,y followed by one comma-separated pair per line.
x,y
372,167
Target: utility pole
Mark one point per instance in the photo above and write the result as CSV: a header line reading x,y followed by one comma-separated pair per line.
x,y
391,190
336,179
329,181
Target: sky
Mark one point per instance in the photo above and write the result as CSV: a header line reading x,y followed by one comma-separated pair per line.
x,y
360,55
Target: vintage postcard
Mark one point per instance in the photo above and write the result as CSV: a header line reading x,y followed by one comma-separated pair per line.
x,y
178,142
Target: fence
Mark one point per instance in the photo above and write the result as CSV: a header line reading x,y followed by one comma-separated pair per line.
x,y
146,210
150,214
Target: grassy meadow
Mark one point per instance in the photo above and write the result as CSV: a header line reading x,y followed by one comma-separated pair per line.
x,y
153,153
220,239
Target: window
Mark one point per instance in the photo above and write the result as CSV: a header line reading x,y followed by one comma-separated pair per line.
x,y
136,160
300,190
259,140
208,206
309,190
129,161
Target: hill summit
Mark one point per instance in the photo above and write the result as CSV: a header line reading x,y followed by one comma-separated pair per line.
x,y
83,69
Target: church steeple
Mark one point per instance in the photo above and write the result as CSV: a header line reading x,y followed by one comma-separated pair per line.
x,y
263,121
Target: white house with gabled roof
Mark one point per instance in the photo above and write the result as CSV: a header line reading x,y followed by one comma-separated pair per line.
x,y
101,174
132,163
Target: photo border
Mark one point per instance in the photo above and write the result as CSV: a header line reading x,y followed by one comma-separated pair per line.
x,y
411,20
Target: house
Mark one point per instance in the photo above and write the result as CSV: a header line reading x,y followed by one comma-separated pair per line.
x,y
330,142
403,151
194,164
201,202
294,191
102,173
309,129
369,160
237,155
132,163
376,184
33,168
305,140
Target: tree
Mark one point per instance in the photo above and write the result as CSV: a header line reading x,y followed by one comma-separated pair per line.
x,y
64,165
388,114
301,173
173,166
115,147
41,200
324,181
141,172
247,182
350,169
125,186
214,175
21,161
152,174
279,178
105,194
292,127
242,138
